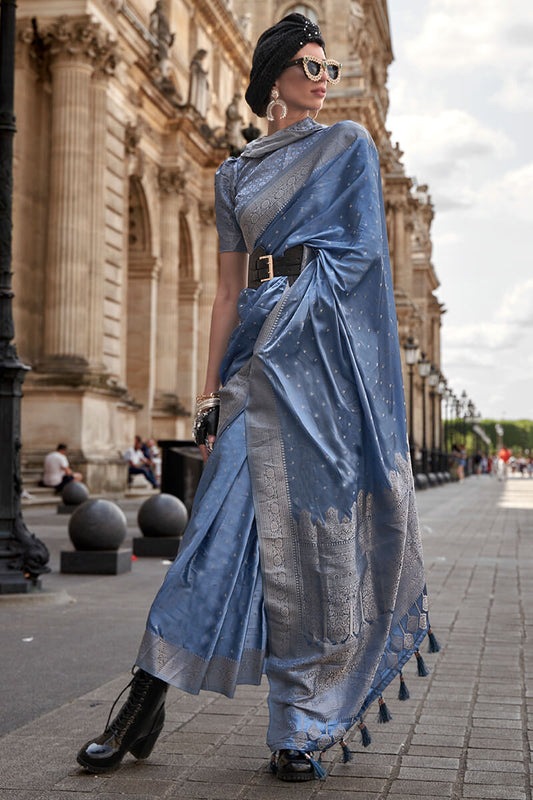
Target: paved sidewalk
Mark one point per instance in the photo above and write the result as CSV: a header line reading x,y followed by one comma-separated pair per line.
x,y
465,733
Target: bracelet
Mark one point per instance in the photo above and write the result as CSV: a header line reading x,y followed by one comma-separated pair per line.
x,y
200,397
206,404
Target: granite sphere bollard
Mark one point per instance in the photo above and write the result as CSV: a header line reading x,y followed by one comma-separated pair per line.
x,y
162,519
97,525
75,493
162,515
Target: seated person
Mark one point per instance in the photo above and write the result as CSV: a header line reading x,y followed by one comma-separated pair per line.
x,y
154,454
57,472
138,463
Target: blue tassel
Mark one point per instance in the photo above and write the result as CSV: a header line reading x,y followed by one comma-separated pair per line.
x,y
434,646
273,767
422,669
384,713
403,693
320,772
366,739
347,754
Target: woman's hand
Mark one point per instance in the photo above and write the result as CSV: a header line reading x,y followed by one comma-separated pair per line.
x,y
206,423
224,317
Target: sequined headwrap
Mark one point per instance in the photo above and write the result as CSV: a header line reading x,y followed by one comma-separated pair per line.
x,y
275,47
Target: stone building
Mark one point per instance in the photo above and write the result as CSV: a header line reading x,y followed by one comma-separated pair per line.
x,y
125,108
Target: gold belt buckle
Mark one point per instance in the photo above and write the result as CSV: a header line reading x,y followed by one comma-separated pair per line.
x,y
270,260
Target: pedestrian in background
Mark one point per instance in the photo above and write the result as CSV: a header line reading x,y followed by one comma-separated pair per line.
x,y
57,471
504,456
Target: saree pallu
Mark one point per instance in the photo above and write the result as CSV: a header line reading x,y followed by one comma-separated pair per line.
x,y
302,557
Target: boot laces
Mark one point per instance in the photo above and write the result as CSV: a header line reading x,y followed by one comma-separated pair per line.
x,y
140,683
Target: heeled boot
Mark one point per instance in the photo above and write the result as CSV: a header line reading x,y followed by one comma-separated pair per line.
x,y
135,728
292,765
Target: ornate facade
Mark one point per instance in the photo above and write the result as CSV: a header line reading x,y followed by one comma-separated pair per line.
x,y
124,109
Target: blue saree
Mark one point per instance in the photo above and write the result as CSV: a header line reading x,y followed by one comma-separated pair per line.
x,y
302,557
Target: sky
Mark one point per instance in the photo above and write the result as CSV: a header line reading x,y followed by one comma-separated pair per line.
x,y
461,108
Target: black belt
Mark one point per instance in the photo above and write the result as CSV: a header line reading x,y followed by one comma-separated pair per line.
x,y
263,267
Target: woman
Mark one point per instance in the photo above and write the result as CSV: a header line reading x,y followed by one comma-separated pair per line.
x,y
302,557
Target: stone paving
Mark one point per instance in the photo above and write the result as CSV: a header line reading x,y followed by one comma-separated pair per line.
x,y
465,732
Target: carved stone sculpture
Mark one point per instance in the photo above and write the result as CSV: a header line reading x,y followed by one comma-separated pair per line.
x,y
160,30
233,123
198,84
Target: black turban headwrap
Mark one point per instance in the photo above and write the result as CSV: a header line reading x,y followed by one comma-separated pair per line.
x,y
275,47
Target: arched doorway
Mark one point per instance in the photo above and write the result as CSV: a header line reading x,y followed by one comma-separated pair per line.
x,y
141,308
188,319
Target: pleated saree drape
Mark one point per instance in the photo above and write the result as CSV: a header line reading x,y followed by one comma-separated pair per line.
x,y
302,557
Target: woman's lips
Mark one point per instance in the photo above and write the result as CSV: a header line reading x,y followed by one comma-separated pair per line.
x,y
319,92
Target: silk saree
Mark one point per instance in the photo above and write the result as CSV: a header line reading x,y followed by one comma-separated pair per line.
x,y
302,558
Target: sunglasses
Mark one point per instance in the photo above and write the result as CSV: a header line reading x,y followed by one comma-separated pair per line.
x,y
315,67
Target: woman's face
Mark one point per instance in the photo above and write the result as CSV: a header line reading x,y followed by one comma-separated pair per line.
x,y
299,93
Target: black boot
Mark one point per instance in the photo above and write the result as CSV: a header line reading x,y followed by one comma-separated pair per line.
x,y
135,728
292,765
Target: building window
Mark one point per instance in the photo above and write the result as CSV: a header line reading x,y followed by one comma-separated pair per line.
x,y
307,11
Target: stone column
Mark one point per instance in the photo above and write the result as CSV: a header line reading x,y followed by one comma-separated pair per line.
x,y
171,184
97,204
73,45
209,282
189,336
143,274
401,278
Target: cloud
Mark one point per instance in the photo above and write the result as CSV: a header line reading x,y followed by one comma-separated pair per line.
x,y
483,346
510,194
519,35
444,148
449,238
516,91
516,309
458,66
455,34
449,135
478,338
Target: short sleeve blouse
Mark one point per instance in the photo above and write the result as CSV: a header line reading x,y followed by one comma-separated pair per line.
x,y
229,231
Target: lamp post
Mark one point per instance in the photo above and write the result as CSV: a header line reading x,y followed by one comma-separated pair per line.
x,y
441,391
471,418
22,557
433,382
447,403
457,418
411,357
424,368
464,408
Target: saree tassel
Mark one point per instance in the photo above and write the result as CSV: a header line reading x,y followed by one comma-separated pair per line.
x,y
422,669
347,754
320,772
273,767
434,646
366,739
403,693
384,713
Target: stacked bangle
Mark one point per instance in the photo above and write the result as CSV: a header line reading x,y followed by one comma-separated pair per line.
x,y
206,401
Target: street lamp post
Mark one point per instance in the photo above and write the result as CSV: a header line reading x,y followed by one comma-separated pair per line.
x,y
440,389
471,418
447,401
433,381
424,369
22,556
411,357
464,408
457,418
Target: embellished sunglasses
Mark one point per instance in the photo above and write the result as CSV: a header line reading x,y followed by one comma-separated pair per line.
x,y
315,67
